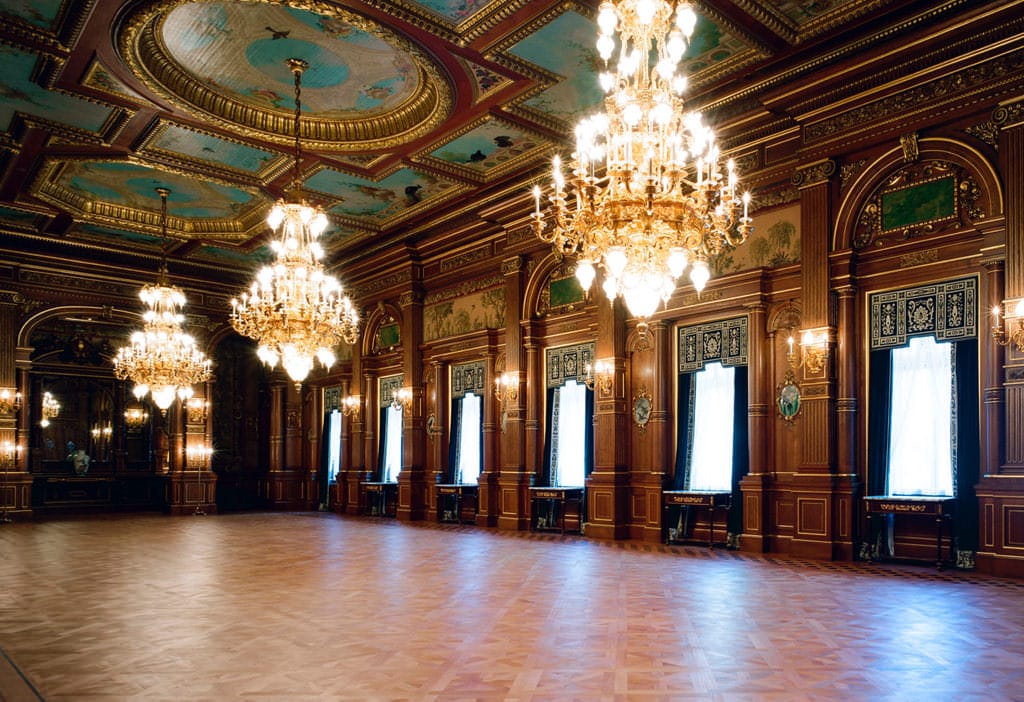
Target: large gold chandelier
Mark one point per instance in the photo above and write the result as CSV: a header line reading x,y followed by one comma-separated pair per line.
x,y
162,360
294,310
661,201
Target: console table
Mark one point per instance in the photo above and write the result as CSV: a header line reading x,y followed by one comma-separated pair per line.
x,y
673,502
549,505
379,499
942,509
460,497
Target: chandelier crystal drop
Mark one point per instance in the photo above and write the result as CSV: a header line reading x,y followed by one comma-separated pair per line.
x,y
161,359
295,311
649,194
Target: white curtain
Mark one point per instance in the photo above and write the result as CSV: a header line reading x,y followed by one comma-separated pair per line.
x,y
334,445
569,435
392,444
469,440
711,457
921,428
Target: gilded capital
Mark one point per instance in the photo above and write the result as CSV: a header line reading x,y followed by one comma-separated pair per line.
x,y
814,173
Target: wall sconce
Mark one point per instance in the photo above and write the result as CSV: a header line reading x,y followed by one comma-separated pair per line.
x,y
196,409
135,417
196,457
813,350
402,398
506,387
9,452
10,401
1013,333
350,405
601,375
50,409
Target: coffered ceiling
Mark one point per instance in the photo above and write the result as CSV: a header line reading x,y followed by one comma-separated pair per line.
x,y
411,109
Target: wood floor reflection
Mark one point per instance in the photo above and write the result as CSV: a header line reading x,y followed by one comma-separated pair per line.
x,y
320,607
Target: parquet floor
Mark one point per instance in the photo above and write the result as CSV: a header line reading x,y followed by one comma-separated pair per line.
x,y
320,607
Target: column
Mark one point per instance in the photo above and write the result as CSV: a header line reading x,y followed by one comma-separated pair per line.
x,y
608,484
651,371
754,485
814,481
1001,488
847,485
412,480
519,420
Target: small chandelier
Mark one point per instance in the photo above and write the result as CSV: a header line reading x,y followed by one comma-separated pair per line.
x,y
662,201
162,360
294,310
50,408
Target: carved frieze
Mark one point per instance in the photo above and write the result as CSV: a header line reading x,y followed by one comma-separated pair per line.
x,y
464,259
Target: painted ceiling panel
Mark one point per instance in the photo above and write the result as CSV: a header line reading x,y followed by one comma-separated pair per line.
x,y
192,144
454,10
565,46
390,197
40,13
18,93
134,186
489,146
242,51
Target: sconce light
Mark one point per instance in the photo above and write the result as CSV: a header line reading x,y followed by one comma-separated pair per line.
x,y
506,387
50,409
813,350
350,405
135,417
402,397
10,451
196,457
197,408
601,375
1013,333
10,401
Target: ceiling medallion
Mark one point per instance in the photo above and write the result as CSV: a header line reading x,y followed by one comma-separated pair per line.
x,y
221,61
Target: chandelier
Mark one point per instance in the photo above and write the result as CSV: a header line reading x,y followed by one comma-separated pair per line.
x,y
294,310
162,360
50,408
661,201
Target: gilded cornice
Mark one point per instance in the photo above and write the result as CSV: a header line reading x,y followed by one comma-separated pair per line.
x,y
142,50
827,58
382,283
27,37
949,88
465,258
774,21
465,288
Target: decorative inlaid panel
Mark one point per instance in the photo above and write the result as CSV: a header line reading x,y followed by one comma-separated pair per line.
x,y
468,377
568,363
725,341
388,385
332,398
948,310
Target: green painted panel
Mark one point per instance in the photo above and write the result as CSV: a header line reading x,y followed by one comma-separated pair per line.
x,y
567,291
927,202
389,336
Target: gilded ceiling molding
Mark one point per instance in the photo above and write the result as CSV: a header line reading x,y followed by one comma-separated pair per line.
x,y
142,49
239,228
814,173
1006,68
32,39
